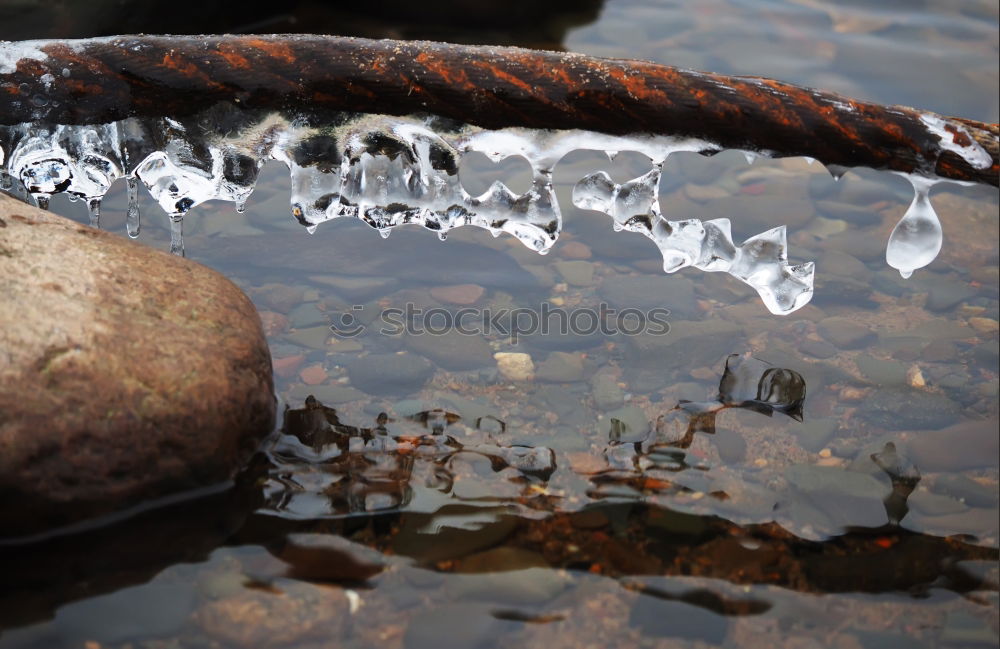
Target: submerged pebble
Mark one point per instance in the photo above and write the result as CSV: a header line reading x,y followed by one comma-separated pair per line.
x,y
515,366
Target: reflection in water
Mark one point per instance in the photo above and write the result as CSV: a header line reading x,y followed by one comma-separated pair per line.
x,y
748,383
904,475
425,501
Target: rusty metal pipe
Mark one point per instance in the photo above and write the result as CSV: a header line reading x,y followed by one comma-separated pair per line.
x,y
106,79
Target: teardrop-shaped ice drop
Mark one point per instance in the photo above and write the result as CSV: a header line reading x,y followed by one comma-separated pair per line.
x,y
442,236
42,200
177,234
132,214
916,239
241,207
6,182
94,211
385,232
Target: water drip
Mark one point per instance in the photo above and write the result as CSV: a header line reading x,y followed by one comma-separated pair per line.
x,y
177,234
94,211
132,213
917,238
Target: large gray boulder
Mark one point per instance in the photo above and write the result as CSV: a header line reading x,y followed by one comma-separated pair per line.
x,y
125,373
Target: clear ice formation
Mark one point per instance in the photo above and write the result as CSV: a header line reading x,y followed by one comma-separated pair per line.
x,y
916,240
389,171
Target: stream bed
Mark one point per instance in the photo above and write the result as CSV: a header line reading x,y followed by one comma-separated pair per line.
x,y
667,464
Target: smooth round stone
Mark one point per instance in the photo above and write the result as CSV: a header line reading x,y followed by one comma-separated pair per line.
x,y
126,373
606,393
452,350
461,294
842,264
280,297
576,273
561,367
818,349
814,434
845,333
731,445
940,351
943,294
966,490
357,288
306,315
902,407
850,212
311,338
882,372
574,250
651,291
452,626
515,366
666,618
390,374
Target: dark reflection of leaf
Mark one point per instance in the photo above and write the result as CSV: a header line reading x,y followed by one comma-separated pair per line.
x,y
702,597
748,383
756,385
904,476
512,615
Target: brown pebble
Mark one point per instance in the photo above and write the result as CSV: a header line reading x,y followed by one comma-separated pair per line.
x,y
257,618
462,294
575,250
313,375
853,394
984,326
287,367
273,322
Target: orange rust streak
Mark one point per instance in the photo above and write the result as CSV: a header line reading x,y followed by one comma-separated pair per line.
x,y
635,85
234,59
500,73
188,69
273,49
451,75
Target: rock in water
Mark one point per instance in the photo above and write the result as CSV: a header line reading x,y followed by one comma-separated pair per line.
x,y
125,373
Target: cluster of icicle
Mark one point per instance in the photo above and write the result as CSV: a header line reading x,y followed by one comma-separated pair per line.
x,y
389,171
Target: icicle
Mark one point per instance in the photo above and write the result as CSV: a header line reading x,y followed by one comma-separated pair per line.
x,y
177,234
916,240
132,213
836,171
398,170
94,211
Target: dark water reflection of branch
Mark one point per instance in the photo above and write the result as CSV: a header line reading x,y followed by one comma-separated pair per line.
x,y
362,482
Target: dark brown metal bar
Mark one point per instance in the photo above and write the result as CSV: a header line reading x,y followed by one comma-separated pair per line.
x,y
101,80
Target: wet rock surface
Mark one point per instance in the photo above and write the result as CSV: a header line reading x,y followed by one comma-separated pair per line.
x,y
127,374
482,509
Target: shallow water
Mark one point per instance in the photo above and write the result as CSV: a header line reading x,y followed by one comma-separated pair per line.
x,y
572,510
